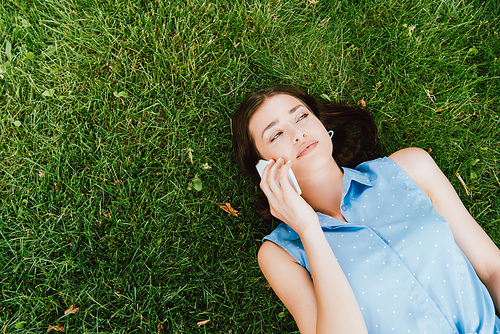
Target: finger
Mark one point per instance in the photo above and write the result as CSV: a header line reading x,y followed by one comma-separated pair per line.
x,y
273,175
283,177
264,182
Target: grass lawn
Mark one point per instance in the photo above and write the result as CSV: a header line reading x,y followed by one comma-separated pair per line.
x,y
115,145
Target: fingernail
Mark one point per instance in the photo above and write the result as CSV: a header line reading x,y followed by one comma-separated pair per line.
x,y
287,162
279,159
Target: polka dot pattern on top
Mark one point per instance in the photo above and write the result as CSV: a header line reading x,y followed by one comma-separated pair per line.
x,y
400,257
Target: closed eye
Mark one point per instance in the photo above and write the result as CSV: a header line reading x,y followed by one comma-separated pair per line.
x,y
301,117
276,136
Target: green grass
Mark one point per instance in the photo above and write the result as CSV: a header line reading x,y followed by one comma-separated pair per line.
x,y
110,109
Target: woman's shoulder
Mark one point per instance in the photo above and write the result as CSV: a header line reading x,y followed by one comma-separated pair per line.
x,y
409,154
418,164
413,160
276,263
270,250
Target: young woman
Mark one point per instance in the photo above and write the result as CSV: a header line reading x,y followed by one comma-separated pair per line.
x,y
387,247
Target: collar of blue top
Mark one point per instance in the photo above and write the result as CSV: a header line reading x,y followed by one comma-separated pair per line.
x,y
350,176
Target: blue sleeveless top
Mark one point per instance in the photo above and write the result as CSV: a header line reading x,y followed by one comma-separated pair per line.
x,y
400,257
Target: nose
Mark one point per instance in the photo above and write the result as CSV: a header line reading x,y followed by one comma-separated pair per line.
x,y
299,135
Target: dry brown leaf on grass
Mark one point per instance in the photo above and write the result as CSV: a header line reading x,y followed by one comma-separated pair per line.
x,y
201,323
56,328
313,1
72,310
362,103
41,174
229,209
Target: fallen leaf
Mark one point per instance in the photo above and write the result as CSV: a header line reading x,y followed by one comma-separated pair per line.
x,y
429,150
229,209
107,215
8,49
313,2
25,23
120,94
206,166
51,49
195,183
20,324
201,323
116,182
4,68
362,103
41,174
48,92
29,56
56,328
72,310
55,185
190,155
472,51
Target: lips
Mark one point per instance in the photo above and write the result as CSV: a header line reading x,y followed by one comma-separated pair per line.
x,y
307,147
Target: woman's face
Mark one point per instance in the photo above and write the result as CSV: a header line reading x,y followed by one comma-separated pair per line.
x,y
283,127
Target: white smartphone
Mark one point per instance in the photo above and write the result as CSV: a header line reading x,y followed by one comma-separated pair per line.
x,y
291,177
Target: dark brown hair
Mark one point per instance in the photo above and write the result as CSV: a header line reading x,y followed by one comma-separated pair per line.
x,y
354,140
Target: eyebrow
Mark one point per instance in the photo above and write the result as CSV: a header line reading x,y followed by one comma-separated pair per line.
x,y
273,123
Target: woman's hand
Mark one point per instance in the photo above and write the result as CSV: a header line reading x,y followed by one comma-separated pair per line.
x,y
284,202
328,305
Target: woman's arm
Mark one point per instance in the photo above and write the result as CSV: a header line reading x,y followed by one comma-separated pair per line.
x,y
326,304
291,283
483,254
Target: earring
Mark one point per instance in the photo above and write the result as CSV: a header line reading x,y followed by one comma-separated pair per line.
x,y
331,132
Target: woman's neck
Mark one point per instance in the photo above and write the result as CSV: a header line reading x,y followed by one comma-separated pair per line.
x,y
323,190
